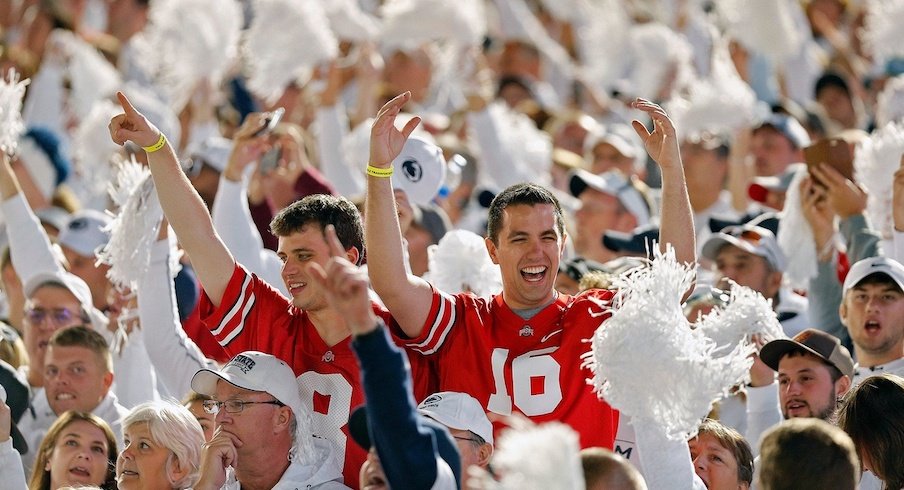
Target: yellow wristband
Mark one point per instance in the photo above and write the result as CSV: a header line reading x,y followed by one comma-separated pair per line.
x,y
156,146
379,172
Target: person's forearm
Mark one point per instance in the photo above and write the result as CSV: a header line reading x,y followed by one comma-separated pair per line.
x,y
677,222
9,185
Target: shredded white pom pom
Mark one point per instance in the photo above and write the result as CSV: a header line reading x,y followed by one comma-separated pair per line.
x,y
601,39
188,41
93,152
349,22
658,57
529,150
882,28
536,457
286,39
410,23
765,26
795,238
747,313
460,262
875,161
648,361
12,91
720,103
890,103
135,226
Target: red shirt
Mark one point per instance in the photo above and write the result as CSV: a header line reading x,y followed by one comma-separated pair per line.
x,y
509,364
254,316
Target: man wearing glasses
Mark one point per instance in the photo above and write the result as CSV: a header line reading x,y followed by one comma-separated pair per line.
x,y
263,438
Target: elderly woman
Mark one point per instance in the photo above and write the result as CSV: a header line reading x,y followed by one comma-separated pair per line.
x,y
161,448
78,450
871,415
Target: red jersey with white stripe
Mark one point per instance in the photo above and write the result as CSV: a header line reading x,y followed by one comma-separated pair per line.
x,y
532,366
254,316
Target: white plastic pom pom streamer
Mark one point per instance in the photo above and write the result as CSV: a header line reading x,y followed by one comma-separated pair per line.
x,y
349,22
882,29
92,77
286,40
409,23
648,361
93,151
795,238
875,161
187,41
747,313
460,262
765,26
12,91
536,457
890,104
135,226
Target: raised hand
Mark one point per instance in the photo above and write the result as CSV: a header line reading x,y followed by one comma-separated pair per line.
x,y
345,286
662,143
216,455
132,125
386,141
248,145
845,197
898,197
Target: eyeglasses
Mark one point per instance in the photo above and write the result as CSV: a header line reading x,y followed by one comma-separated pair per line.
x,y
234,406
58,316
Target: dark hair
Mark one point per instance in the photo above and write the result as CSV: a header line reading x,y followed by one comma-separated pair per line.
x,y
879,279
733,441
40,477
807,453
529,194
322,210
831,79
82,336
834,372
871,415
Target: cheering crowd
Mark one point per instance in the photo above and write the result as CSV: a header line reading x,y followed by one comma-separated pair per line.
x,y
489,244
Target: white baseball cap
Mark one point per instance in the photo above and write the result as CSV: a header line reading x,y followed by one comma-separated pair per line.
x,y
874,265
616,185
420,170
459,411
749,238
623,138
75,285
86,232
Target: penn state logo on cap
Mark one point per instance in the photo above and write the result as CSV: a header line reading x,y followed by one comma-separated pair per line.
x,y
420,170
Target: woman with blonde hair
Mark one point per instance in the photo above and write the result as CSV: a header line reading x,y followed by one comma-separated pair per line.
x,y
161,447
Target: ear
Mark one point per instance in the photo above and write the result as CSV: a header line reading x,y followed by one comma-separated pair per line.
x,y
491,249
353,254
842,386
176,470
108,380
282,419
842,311
484,454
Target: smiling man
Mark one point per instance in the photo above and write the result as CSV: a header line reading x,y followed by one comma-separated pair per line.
x,y
78,373
872,309
520,350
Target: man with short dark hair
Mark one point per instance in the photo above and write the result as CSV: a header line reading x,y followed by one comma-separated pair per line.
x,y
814,372
776,143
807,453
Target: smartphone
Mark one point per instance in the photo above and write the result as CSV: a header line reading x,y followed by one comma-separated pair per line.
x,y
834,152
270,160
271,121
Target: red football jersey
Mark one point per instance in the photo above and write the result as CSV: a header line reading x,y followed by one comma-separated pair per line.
x,y
509,364
254,316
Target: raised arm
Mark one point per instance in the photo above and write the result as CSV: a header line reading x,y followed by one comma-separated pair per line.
x,y
677,222
180,201
407,297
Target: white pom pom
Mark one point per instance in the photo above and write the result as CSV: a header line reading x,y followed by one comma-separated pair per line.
x,y
721,103
134,227
93,151
875,161
93,78
539,457
657,54
12,91
882,28
286,39
766,27
747,313
649,363
187,41
349,22
529,148
890,103
460,262
601,40
410,23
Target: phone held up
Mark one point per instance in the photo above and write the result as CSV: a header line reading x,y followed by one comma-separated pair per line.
x,y
270,159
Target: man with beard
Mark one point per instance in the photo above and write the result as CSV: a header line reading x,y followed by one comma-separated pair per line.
x,y
814,372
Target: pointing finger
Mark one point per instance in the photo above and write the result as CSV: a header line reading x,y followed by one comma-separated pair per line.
x,y
332,239
126,105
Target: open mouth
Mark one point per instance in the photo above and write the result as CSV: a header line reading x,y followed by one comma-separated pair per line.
x,y
872,326
296,287
63,397
534,274
795,406
80,471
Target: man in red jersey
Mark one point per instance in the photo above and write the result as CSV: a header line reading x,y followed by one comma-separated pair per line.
x,y
245,313
520,350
